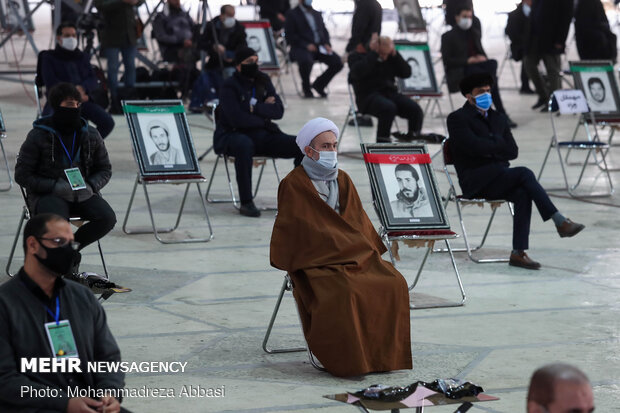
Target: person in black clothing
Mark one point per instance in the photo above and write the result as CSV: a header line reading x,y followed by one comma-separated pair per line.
x,y
595,40
56,145
546,40
463,54
516,25
248,105
309,41
481,146
366,25
373,79
275,12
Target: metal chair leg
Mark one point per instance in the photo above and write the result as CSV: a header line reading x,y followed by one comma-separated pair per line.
x,y
25,216
8,169
285,287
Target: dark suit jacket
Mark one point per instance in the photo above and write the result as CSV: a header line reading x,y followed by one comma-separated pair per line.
x,y
455,52
366,21
550,23
595,40
269,9
298,31
236,39
516,32
480,147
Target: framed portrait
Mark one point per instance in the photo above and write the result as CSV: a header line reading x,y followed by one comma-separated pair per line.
x,y
410,16
404,187
8,19
422,79
596,79
160,136
259,37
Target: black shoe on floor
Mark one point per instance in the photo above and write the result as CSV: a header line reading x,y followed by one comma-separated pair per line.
x,y
526,91
511,123
320,91
384,140
362,120
307,94
403,137
249,210
539,103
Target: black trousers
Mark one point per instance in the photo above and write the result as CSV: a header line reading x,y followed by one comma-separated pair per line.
x,y
100,216
386,106
488,66
519,185
260,142
305,59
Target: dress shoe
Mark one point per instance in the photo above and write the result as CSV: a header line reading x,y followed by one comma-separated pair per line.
x,y
511,123
308,94
522,260
569,228
249,210
320,91
539,103
384,140
526,91
403,137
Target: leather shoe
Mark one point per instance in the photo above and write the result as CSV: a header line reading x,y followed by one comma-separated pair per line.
x,y
320,91
511,123
569,228
249,210
523,261
539,103
307,94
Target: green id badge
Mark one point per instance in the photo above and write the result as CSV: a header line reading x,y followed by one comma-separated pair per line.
x,y
61,339
75,178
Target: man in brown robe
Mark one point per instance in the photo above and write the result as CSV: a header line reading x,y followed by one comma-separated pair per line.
x,y
354,306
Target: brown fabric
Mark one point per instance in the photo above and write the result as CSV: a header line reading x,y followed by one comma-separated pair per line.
x,y
354,306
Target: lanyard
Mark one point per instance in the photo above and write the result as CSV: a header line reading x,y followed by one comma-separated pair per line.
x,y
72,148
57,315
254,92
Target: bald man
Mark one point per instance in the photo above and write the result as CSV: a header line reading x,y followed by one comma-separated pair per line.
x,y
559,388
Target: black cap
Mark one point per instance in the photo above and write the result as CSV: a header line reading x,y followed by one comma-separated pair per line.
x,y
243,53
475,80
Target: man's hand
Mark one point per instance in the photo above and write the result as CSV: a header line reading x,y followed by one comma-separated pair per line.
x,y
270,99
476,59
328,48
558,46
187,43
311,48
219,49
374,44
110,405
131,2
83,95
281,17
84,405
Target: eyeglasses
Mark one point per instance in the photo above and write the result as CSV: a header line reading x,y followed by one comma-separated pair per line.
x,y
60,242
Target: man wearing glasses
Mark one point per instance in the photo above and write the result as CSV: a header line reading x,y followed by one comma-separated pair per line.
x,y
63,164
43,317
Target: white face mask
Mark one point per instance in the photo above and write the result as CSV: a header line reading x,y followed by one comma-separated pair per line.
x,y
229,22
526,10
327,159
69,43
465,23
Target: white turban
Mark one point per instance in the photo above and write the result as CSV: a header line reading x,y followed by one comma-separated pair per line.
x,y
313,128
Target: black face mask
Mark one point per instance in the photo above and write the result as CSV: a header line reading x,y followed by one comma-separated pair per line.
x,y
249,70
66,119
59,260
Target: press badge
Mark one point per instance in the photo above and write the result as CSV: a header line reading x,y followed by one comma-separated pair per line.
x,y
61,339
75,178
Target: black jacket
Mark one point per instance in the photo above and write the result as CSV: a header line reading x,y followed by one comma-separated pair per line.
x,y
455,50
298,31
366,21
595,40
550,23
516,27
234,113
480,148
236,39
369,75
41,163
269,9
119,23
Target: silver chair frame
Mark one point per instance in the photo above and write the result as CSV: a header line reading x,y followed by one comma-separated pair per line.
x,y
157,231
351,114
6,163
287,285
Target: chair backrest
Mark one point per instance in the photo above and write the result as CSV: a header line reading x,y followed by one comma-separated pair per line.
x,y
445,151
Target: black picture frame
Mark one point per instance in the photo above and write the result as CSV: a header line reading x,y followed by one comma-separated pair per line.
x,y
7,16
422,80
388,184
152,120
410,16
596,79
259,37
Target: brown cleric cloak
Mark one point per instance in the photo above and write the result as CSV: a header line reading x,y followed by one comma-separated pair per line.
x,y
354,306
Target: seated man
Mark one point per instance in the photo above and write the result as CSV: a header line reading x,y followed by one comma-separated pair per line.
x,y
373,77
173,30
275,12
25,328
559,388
462,54
66,63
481,145
309,41
61,146
354,306
244,127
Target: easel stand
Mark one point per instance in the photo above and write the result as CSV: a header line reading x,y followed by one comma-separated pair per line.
x,y
6,164
167,180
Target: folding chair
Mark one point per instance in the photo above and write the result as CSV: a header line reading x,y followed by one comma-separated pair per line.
x,y
287,285
25,216
592,145
6,161
461,202
351,114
